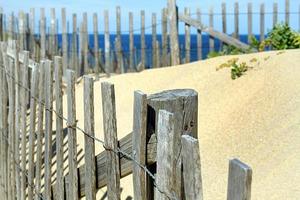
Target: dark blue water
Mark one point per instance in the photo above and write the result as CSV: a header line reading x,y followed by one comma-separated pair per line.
x,y
148,40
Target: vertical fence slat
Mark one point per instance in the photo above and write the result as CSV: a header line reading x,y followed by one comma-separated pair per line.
x,y
4,117
211,25
59,128
72,140
224,22
96,44
275,13
31,45
164,30
32,130
187,38
1,24
131,42
11,131
23,103
89,143
74,52
199,36
262,22
52,45
107,43
249,13
165,165
287,12
85,44
191,168
43,33
120,61
16,74
139,144
239,181
143,44
154,37
236,20
64,40
118,22
111,141
48,127
21,30
40,131
173,25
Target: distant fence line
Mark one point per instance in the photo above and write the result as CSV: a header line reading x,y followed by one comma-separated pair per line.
x,y
78,53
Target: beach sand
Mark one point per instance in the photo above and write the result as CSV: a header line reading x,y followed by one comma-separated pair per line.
x,y
255,118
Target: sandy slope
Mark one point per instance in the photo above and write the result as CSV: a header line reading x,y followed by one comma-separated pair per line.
x,y
255,118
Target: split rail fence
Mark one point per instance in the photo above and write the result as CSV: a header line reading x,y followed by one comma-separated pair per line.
x,y
162,152
133,50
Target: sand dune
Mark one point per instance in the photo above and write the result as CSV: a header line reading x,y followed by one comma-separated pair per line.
x,y
255,118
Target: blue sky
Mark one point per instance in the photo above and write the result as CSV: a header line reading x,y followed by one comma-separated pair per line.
x,y
150,6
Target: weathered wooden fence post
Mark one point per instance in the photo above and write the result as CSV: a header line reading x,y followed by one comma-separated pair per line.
x,y
287,12
40,131
154,37
173,25
183,104
33,105
143,44
72,140
164,36
191,168
1,24
108,68
139,149
262,22
43,33
249,22
74,51
224,22
31,46
89,142
236,20
85,44
131,43
23,104
239,181
199,36
65,56
48,127
187,38
96,45
59,128
211,25
111,141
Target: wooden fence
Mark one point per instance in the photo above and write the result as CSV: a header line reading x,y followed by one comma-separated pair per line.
x,y
137,51
162,152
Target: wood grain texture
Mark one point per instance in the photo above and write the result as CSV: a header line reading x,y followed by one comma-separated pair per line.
x,y
72,140
139,142
48,127
236,21
89,143
166,157
239,181
211,25
107,44
96,44
262,22
154,37
249,14
164,36
32,128
40,131
173,25
131,43
224,20
191,168
111,141
199,36
43,33
64,40
58,65
143,43
187,38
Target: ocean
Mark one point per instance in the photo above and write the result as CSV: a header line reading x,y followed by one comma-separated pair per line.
x,y
148,41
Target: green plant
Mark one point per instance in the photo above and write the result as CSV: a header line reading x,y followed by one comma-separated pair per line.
x,y
214,54
237,70
283,37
